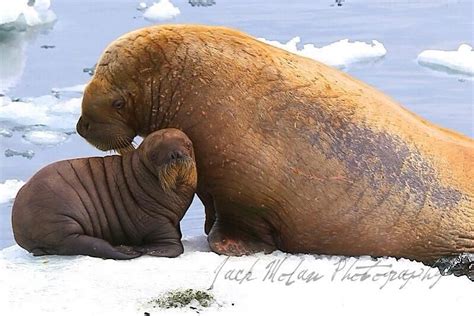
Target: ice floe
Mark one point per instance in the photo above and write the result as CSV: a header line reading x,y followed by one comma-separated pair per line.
x,y
161,11
21,14
457,61
8,190
273,284
28,154
45,138
46,110
338,54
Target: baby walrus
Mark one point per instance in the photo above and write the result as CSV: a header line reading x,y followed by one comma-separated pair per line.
x,y
115,207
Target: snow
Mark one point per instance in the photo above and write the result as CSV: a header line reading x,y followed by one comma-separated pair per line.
x,y
338,54
45,138
460,60
8,190
89,286
45,110
161,11
17,14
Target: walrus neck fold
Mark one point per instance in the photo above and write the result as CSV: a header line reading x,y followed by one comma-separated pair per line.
x,y
146,191
163,90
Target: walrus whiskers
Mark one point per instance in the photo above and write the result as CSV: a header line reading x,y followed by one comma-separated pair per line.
x,y
179,172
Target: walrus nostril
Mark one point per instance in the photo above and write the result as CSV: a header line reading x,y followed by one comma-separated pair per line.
x,y
176,154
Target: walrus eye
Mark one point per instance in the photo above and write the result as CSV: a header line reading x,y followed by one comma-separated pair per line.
x,y
118,104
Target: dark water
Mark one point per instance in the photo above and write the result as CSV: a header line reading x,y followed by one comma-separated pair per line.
x,y
406,28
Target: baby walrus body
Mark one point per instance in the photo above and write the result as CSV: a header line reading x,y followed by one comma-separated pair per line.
x,y
117,207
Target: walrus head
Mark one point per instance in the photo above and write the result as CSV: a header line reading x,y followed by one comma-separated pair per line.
x,y
135,89
168,153
106,120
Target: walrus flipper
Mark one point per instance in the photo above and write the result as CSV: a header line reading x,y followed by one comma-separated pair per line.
x,y
170,250
227,242
94,247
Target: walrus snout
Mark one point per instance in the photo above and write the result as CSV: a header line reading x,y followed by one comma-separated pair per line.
x,y
106,136
82,127
176,154
168,146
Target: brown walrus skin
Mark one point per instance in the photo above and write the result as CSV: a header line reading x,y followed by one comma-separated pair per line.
x,y
291,154
116,207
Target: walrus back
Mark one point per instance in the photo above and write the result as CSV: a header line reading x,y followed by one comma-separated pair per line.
x,y
35,205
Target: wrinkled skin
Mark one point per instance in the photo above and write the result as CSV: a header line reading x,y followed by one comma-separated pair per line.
x,y
291,154
116,207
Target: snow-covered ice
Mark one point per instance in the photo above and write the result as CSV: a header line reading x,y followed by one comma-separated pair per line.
x,y
460,60
45,110
260,284
19,14
161,11
338,54
8,190
45,138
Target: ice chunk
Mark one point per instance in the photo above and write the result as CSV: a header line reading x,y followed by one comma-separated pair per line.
x,y
20,14
26,153
77,89
5,132
202,3
338,54
458,61
142,6
8,189
45,138
45,110
90,70
161,11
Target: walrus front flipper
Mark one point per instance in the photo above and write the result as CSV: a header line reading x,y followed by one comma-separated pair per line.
x,y
460,265
94,247
169,250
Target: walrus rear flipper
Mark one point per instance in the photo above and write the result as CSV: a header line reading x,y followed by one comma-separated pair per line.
x,y
94,247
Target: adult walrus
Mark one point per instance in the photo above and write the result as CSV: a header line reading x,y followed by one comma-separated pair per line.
x,y
110,207
291,154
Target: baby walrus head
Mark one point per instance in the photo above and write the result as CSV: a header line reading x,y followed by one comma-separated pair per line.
x,y
169,155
